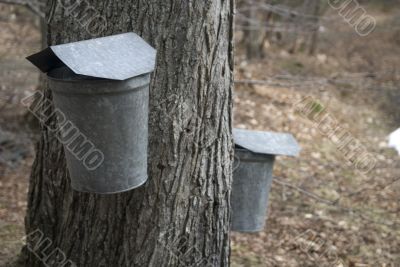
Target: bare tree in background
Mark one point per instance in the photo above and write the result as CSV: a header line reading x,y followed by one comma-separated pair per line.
x,y
291,24
315,27
254,31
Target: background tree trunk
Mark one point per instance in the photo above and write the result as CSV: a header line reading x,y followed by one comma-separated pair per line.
x,y
180,217
254,33
315,30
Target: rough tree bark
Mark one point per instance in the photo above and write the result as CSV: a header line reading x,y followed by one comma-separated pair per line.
x,y
180,217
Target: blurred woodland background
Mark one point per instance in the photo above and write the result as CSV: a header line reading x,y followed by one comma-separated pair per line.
x,y
323,212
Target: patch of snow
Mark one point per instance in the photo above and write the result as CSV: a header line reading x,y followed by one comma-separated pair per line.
x,y
394,140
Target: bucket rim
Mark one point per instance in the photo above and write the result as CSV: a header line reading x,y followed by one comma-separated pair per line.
x,y
136,185
252,156
247,231
98,86
84,79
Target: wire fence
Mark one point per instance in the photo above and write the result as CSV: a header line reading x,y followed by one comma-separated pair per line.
x,y
290,20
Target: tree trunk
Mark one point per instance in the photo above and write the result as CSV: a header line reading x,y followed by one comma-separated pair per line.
x,y
180,217
253,34
315,30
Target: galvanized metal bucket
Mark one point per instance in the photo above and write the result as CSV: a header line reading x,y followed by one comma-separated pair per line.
x,y
250,191
101,94
113,117
255,155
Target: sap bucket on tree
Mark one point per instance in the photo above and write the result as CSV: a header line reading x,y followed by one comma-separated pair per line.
x,y
100,89
254,155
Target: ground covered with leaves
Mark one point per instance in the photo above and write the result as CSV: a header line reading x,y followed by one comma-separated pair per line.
x,y
323,211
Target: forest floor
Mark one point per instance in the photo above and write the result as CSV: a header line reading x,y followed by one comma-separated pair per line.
x,y
322,211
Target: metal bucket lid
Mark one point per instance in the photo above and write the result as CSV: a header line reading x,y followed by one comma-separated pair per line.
x,y
116,57
266,143
66,74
